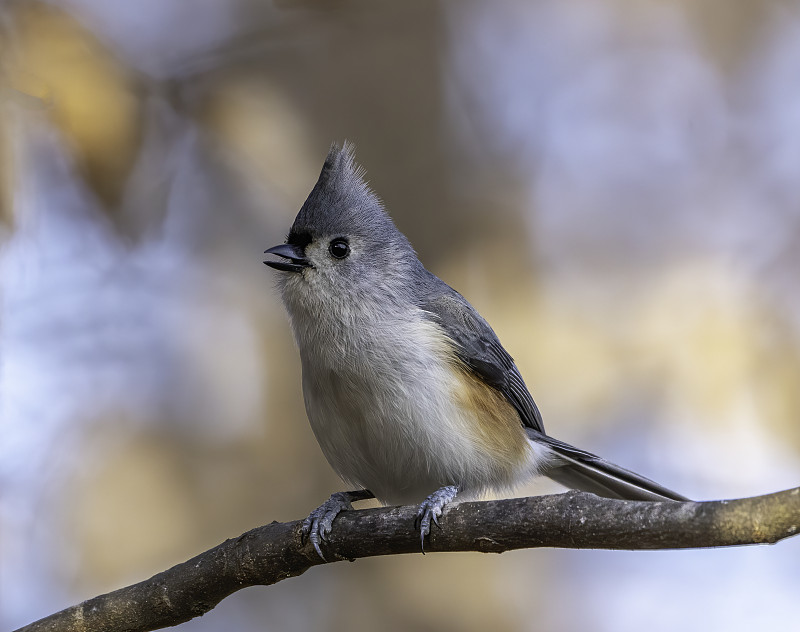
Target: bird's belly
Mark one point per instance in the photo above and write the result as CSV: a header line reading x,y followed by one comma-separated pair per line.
x,y
404,429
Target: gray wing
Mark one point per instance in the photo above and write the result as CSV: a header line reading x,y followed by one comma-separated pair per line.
x,y
479,348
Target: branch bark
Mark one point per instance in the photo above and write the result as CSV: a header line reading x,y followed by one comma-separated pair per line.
x,y
575,520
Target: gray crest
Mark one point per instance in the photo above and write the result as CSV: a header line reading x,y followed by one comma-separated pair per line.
x,y
341,203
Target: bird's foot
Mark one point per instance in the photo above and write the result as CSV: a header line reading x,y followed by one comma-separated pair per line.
x,y
320,521
430,510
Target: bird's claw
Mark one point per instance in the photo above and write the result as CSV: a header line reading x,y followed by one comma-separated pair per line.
x,y
318,525
431,509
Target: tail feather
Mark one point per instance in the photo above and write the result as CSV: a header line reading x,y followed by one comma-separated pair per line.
x,y
578,469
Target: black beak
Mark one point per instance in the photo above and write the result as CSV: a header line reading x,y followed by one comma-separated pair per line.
x,y
297,260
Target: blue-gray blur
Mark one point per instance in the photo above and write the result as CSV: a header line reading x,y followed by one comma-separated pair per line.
x,y
613,184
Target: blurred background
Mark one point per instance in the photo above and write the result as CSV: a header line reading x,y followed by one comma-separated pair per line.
x,y
612,183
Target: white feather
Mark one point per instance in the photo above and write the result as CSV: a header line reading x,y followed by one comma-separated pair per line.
x,y
381,393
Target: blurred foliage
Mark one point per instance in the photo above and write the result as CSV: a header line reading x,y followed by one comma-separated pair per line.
x,y
88,95
611,183
729,36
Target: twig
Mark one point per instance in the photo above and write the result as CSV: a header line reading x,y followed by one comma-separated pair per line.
x,y
575,520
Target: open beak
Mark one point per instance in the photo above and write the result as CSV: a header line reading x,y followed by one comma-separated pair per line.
x,y
296,259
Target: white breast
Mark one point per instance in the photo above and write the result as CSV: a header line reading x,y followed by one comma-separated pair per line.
x,y
382,403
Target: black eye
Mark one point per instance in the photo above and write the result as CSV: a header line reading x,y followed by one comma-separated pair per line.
x,y
339,248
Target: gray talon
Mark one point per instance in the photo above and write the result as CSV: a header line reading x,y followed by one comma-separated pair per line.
x,y
319,523
431,508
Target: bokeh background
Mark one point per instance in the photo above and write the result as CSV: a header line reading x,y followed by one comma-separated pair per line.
x,y
614,184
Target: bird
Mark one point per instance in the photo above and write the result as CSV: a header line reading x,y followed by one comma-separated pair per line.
x,y
408,390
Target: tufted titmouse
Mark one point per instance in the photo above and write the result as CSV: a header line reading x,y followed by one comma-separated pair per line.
x,y
408,390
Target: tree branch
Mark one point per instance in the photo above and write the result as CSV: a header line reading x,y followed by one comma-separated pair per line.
x,y
575,520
